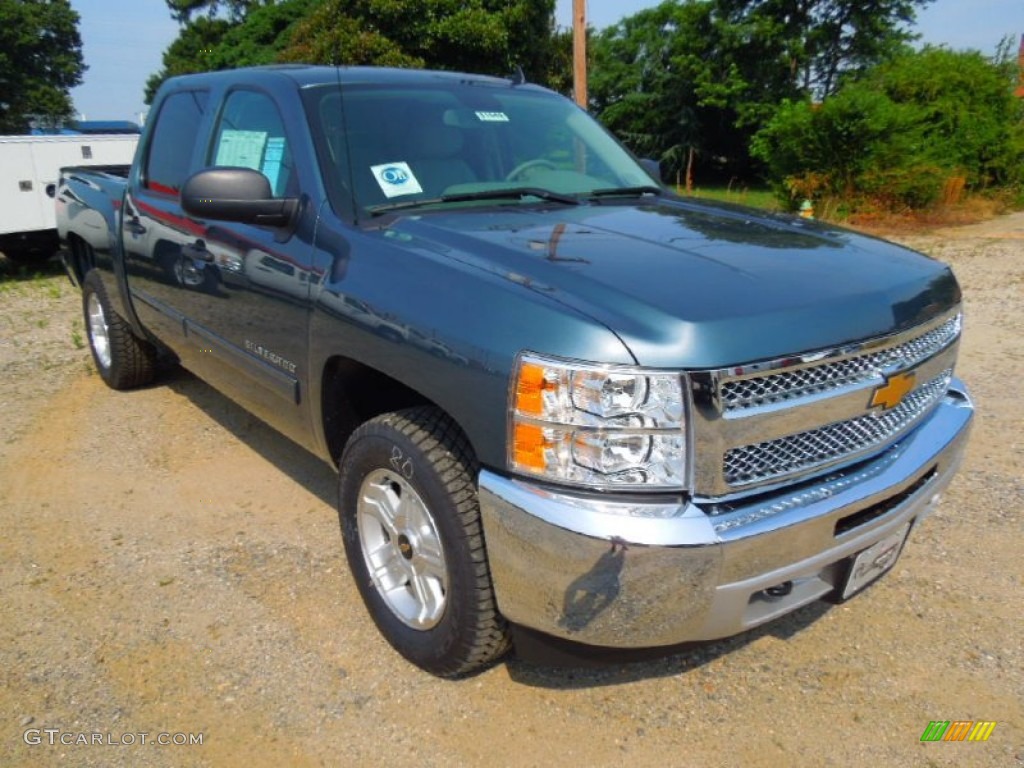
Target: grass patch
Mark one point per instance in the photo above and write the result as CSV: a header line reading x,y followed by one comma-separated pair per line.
x,y
36,286
12,274
754,197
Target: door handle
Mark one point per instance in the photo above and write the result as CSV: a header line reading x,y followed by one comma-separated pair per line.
x,y
197,252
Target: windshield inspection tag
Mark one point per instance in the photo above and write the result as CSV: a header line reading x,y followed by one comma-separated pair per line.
x,y
396,179
492,117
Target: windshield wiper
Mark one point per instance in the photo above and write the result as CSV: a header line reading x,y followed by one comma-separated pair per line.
x,y
648,189
511,193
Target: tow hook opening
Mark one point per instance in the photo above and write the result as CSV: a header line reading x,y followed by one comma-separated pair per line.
x,y
778,591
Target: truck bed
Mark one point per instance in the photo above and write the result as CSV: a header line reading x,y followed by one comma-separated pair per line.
x,y
86,203
115,171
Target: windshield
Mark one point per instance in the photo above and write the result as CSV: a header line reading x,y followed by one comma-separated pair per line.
x,y
386,147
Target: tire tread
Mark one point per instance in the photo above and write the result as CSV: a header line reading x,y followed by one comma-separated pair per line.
x,y
448,451
133,360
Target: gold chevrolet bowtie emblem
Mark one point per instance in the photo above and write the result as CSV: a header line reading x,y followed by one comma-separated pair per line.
x,y
891,394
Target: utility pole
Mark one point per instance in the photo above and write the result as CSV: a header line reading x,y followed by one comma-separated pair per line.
x,y
579,51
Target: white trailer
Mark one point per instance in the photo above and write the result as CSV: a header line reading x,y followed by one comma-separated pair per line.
x,y
29,169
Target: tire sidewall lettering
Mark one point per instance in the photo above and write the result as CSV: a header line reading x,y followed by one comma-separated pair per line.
x,y
401,463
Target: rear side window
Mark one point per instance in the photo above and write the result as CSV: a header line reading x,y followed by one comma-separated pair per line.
x,y
174,140
250,134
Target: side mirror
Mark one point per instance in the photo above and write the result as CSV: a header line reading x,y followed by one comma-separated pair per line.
x,y
653,167
236,194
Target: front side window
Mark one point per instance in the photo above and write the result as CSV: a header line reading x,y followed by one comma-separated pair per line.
x,y
250,134
175,136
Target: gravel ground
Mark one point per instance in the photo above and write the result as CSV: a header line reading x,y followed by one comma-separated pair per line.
x,y
170,565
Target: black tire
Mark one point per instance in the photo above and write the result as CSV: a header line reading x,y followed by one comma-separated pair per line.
x,y
421,450
123,360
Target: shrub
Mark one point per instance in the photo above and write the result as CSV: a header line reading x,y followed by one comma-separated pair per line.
x,y
910,134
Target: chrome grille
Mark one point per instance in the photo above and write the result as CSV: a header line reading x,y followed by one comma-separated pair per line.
x,y
771,388
761,462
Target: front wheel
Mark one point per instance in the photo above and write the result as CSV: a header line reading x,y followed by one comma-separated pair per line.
x,y
122,358
410,521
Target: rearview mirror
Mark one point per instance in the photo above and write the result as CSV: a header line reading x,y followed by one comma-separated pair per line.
x,y
236,194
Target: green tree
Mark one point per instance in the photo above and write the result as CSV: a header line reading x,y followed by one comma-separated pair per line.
x,y
40,61
969,117
193,51
818,42
705,75
898,135
857,145
489,36
532,42
210,43
183,11
560,61
661,82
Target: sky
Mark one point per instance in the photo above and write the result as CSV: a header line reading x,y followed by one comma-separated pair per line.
x,y
124,47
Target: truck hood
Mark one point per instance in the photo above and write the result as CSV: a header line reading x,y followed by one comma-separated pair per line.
x,y
688,285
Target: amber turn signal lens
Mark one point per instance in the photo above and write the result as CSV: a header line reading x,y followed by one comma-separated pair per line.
x,y
530,390
528,447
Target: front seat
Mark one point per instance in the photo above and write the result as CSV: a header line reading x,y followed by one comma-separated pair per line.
x,y
438,157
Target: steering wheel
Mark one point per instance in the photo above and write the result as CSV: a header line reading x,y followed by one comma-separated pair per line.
x,y
537,162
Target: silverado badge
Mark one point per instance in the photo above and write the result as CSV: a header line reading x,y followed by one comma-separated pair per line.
x,y
892,392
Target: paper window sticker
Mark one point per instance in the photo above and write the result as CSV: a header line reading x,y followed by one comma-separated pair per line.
x,y
242,149
396,179
272,159
492,117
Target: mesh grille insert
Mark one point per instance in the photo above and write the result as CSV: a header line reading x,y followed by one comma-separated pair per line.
x,y
788,385
760,462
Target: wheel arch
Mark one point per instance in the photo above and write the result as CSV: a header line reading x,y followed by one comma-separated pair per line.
x,y
352,393
81,257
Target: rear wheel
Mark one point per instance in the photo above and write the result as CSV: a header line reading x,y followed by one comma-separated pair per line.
x,y
410,520
123,359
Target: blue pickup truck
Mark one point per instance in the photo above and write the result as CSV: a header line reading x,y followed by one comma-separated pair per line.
x,y
564,404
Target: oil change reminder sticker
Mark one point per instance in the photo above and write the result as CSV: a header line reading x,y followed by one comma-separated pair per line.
x,y
396,179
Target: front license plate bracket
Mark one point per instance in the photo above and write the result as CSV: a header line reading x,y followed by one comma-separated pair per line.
x,y
869,564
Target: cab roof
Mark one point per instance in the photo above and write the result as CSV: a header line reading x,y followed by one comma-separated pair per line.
x,y
307,75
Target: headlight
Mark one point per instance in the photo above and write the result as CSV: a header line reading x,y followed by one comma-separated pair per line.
x,y
597,426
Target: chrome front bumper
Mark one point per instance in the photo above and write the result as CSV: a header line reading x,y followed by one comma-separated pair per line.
x,y
628,572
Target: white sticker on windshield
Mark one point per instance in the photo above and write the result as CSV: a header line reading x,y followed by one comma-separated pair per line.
x,y
492,117
396,179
